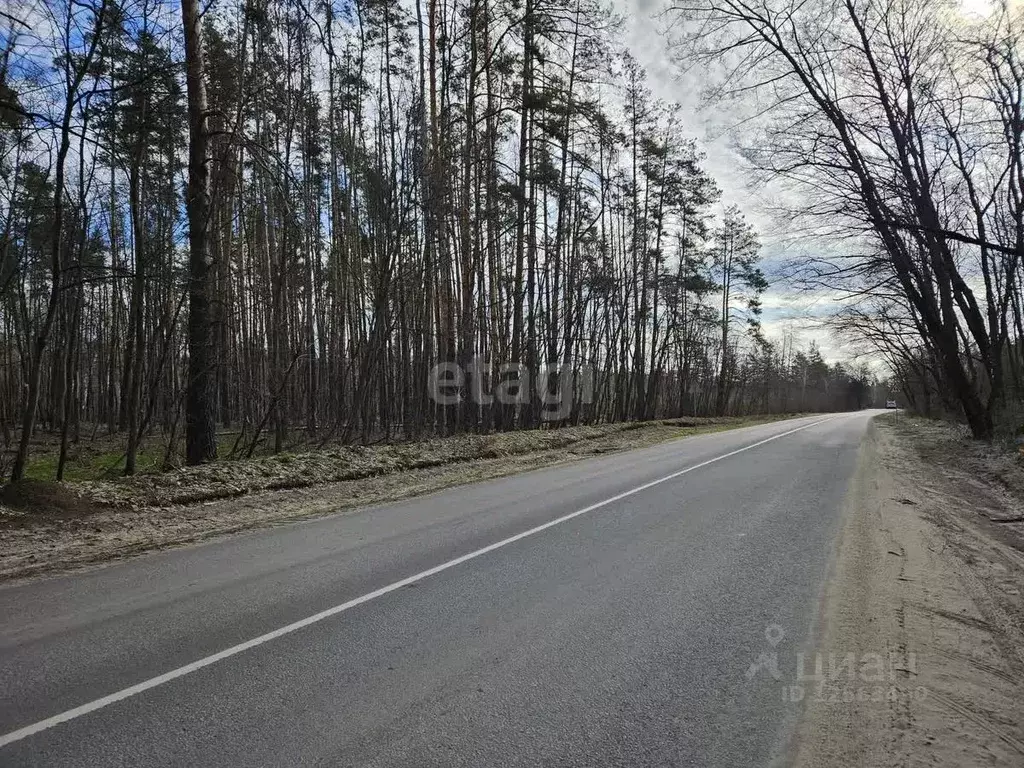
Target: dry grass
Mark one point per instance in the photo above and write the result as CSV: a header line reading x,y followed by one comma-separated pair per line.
x,y
229,479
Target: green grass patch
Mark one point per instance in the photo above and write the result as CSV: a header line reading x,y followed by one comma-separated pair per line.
x,y
85,463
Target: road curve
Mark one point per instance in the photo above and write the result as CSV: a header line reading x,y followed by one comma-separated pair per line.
x,y
605,612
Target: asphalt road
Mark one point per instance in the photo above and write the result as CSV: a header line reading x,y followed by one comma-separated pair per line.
x,y
622,633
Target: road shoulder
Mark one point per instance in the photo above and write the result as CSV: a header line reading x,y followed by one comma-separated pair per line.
x,y
121,519
920,658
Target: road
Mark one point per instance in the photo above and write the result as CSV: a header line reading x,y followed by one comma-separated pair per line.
x,y
604,612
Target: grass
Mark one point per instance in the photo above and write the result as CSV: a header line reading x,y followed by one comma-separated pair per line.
x,y
102,458
91,464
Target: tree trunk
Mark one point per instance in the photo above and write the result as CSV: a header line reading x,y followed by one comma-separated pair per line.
x,y
200,429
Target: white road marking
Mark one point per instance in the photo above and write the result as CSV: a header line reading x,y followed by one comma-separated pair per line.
x,y
174,674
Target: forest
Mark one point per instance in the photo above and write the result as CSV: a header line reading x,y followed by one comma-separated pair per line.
x,y
236,228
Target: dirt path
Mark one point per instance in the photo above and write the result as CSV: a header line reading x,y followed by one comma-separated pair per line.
x,y
921,654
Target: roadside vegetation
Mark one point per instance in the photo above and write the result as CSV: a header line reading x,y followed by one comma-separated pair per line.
x,y
45,525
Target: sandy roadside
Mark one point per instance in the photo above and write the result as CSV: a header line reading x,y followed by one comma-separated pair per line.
x,y
921,645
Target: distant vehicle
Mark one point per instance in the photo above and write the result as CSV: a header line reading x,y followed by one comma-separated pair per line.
x,y
890,404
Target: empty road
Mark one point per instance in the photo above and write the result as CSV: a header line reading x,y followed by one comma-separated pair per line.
x,y
605,612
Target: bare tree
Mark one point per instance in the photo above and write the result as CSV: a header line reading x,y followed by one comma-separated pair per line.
x,y
875,115
75,65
